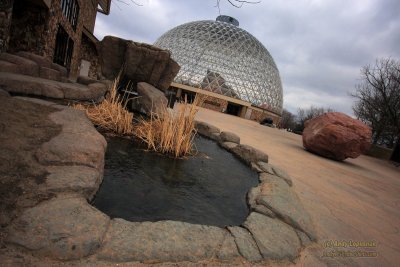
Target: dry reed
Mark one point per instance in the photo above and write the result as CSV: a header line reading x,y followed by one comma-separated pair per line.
x,y
111,114
170,132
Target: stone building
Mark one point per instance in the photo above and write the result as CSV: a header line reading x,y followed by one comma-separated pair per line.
x,y
59,30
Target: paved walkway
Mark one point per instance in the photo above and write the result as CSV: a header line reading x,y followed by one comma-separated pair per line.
x,y
358,199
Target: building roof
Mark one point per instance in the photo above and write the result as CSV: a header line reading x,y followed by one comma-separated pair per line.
x,y
104,6
237,60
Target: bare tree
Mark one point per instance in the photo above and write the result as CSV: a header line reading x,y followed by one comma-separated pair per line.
x,y
288,120
236,3
304,115
125,2
378,100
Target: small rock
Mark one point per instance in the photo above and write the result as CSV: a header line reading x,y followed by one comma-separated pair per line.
x,y
78,144
275,239
249,154
41,61
86,80
246,244
4,93
228,145
206,129
169,73
49,74
37,101
22,65
263,176
79,179
252,195
283,174
151,100
277,196
305,241
61,228
215,137
264,210
97,89
265,167
22,84
255,167
228,249
63,70
230,137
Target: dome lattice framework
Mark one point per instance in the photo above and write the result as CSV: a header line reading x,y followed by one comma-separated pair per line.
x,y
221,57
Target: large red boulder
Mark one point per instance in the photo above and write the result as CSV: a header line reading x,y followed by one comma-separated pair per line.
x,y
337,136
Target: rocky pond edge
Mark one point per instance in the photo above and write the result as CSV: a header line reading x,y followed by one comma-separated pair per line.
x,y
68,228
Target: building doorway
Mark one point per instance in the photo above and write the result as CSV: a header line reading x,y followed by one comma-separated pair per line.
x,y
396,154
233,109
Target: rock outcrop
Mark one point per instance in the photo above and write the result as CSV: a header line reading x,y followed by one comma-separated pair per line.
x,y
141,62
161,241
150,100
27,63
337,136
51,228
207,130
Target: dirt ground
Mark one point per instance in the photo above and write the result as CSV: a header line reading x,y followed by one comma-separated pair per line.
x,y
358,199
24,126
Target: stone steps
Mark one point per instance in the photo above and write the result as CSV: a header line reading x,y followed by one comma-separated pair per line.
x,y
37,86
33,65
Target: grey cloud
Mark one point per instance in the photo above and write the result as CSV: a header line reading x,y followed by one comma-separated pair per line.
x,y
318,46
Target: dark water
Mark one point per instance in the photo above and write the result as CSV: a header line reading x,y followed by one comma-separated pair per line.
x,y
209,188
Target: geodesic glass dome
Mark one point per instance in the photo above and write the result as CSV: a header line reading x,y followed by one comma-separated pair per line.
x,y
221,57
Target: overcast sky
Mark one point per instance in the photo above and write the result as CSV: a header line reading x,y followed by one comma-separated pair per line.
x,y
319,46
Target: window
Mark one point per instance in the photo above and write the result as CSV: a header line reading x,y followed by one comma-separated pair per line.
x,y
64,48
70,9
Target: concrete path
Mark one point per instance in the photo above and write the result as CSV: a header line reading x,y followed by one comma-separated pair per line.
x,y
358,199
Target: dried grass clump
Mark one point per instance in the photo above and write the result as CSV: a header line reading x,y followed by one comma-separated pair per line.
x,y
111,114
170,132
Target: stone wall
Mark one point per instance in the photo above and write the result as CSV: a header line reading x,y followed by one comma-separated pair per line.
x,y
215,104
5,23
89,53
257,115
28,28
34,29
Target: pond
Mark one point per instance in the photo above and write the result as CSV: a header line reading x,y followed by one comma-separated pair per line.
x,y
208,188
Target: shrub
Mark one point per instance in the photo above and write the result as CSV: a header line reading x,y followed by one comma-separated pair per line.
x,y
111,114
172,131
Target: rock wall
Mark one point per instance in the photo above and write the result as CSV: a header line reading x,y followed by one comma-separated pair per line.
x,y
89,53
142,62
34,29
5,23
260,116
215,104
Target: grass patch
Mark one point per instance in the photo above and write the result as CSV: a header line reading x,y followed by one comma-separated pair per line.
x,y
111,115
171,132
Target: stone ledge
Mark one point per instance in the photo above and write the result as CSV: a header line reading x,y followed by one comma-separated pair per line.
x,y
28,85
65,228
68,228
164,241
